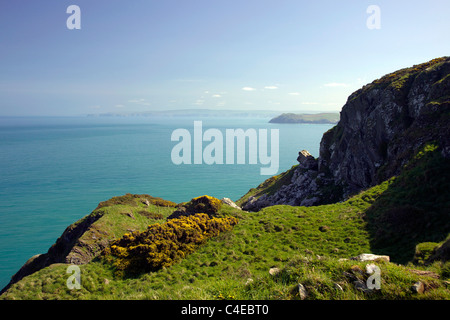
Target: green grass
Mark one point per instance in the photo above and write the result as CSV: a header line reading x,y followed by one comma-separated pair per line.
x,y
290,238
414,208
405,217
116,220
400,79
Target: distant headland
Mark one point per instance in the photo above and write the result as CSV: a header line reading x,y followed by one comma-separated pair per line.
x,y
332,118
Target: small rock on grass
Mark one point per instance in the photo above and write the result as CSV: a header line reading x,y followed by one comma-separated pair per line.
x,y
302,291
418,287
274,271
370,257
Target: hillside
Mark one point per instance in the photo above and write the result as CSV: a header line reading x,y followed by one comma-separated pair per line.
x,y
306,118
307,245
302,234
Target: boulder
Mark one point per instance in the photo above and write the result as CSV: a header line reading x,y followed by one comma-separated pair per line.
x,y
229,202
302,291
371,268
370,257
418,287
306,160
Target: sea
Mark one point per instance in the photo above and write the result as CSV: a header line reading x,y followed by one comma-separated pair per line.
x,y
55,170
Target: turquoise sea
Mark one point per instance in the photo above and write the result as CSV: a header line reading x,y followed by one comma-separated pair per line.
x,y
54,171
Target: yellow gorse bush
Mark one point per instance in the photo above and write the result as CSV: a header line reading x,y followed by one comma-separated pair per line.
x,y
161,245
204,204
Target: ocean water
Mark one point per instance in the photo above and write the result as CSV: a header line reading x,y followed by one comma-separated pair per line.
x,y
54,171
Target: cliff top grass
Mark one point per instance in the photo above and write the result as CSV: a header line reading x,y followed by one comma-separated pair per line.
x,y
406,217
292,239
306,244
120,215
399,78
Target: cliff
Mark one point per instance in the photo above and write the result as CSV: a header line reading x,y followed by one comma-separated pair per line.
x,y
381,127
85,239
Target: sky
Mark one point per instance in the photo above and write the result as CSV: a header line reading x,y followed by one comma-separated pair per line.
x,y
148,55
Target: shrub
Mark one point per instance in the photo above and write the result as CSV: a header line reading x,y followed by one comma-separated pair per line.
x,y
203,204
423,252
162,203
162,245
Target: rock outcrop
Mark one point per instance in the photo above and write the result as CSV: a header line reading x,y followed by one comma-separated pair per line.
x,y
204,204
69,248
381,127
85,239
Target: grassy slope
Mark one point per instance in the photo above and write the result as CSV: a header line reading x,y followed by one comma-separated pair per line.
x,y
123,214
414,209
306,243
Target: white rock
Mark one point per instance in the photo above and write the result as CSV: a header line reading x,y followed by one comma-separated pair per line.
x,y
371,268
370,257
274,271
302,291
229,202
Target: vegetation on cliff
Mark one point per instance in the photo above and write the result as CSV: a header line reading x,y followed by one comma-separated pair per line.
x,y
306,245
156,249
381,127
162,245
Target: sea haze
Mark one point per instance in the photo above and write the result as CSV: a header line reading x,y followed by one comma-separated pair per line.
x,y
54,171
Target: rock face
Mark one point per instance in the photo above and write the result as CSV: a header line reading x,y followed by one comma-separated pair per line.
x,y
306,160
68,248
383,124
381,127
85,239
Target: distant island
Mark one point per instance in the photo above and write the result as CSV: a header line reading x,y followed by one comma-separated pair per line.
x,y
194,113
306,118
330,118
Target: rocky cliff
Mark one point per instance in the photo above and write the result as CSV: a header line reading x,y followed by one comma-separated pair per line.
x,y
381,127
85,239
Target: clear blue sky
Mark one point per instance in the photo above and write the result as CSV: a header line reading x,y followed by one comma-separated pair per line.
x,y
141,55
